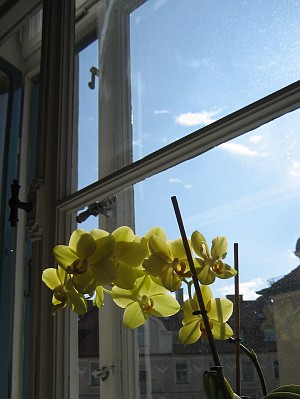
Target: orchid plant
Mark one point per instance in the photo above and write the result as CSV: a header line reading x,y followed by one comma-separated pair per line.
x,y
140,273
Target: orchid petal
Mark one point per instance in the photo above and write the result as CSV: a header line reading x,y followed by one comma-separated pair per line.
x,y
84,282
124,233
105,247
206,276
164,305
99,297
64,256
82,243
159,247
199,244
134,316
156,231
190,333
221,330
188,308
98,233
220,309
77,302
177,249
126,276
171,280
155,265
131,253
226,272
50,278
104,272
219,248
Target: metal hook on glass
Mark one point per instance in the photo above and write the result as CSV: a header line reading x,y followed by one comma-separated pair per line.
x,y
94,72
103,372
101,207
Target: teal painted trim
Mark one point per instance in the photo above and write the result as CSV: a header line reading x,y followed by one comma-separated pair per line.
x,y
7,234
27,272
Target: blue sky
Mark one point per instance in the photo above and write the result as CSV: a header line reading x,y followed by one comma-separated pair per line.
x,y
192,63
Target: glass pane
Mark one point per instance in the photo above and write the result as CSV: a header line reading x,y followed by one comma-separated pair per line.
x,y
195,62
4,92
248,190
88,116
88,341
88,330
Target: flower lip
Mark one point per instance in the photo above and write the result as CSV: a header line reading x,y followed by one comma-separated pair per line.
x,y
147,304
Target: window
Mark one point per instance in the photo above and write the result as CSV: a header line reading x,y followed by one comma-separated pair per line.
x,y
248,373
94,379
276,369
198,101
182,373
156,152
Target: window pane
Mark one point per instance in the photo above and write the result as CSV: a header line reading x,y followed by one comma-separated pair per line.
x,y
195,62
4,91
248,190
88,116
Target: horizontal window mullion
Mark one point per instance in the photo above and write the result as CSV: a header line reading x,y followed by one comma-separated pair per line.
x,y
242,121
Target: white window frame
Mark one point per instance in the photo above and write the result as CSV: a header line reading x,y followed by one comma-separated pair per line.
x,y
119,177
123,174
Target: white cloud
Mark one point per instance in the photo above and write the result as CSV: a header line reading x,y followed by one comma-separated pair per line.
x,y
137,143
161,111
294,169
240,149
175,180
247,289
159,4
242,205
255,139
197,118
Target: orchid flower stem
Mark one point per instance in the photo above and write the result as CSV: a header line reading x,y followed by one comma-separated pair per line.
x,y
189,287
203,311
252,355
107,291
237,322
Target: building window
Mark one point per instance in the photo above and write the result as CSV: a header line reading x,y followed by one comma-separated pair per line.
x,y
276,369
94,366
182,373
248,372
269,335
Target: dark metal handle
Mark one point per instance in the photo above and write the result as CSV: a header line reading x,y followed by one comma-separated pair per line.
x,y
15,204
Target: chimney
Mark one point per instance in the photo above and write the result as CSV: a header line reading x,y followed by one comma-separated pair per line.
x,y
179,295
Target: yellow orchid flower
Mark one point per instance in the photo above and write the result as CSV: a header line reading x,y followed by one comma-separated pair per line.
x,y
99,258
218,310
211,263
146,299
64,292
88,259
167,261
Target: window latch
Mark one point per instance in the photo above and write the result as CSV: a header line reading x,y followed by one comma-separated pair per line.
x,y
94,72
15,204
103,372
101,207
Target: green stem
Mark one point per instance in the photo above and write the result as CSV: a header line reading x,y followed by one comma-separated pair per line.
x,y
252,355
203,311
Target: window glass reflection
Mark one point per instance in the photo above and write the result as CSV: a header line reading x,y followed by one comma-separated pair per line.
x,y
195,62
248,190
